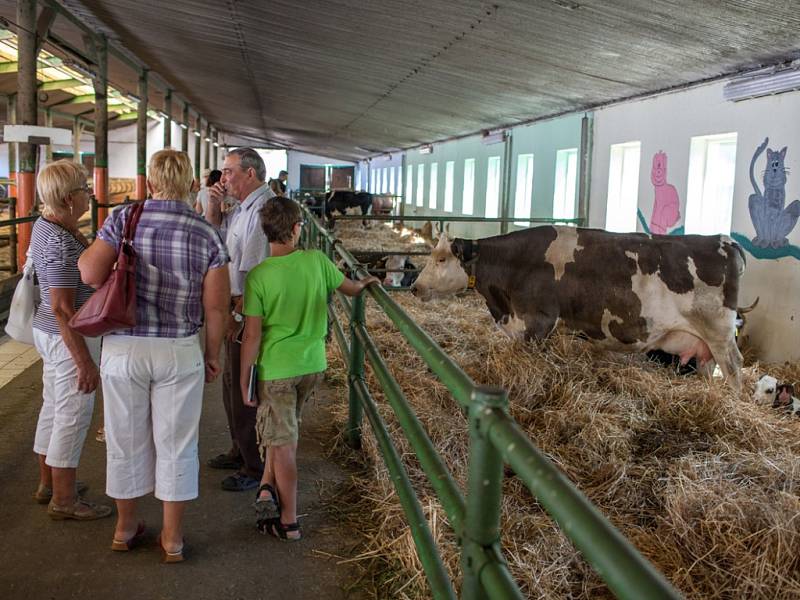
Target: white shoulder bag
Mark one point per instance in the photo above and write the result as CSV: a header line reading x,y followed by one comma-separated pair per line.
x,y
23,305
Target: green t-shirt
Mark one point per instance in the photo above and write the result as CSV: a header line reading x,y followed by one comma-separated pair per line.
x,y
290,293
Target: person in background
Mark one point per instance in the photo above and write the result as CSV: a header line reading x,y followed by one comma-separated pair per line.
x,y
275,186
153,374
286,308
69,361
243,176
201,204
283,177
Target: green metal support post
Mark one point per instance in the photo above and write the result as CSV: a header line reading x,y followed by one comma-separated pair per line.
x,y
168,121
185,128
356,413
585,178
484,491
198,124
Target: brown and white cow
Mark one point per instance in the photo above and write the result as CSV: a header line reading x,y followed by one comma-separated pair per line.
x,y
626,291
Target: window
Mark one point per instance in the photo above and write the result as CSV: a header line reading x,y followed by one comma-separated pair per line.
x,y
468,198
434,183
623,187
449,167
709,194
523,195
372,181
420,185
399,191
391,179
565,183
385,185
493,187
409,182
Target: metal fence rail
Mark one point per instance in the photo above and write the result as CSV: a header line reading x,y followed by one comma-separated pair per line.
x,y
494,437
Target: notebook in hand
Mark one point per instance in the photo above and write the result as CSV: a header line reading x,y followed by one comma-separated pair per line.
x,y
252,389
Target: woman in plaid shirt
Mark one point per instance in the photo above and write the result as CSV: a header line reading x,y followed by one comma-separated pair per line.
x,y
153,374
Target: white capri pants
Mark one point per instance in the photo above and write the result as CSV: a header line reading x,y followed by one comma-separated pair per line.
x,y
66,413
153,394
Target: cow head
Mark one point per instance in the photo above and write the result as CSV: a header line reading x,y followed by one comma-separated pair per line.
x,y
765,390
394,270
783,395
443,275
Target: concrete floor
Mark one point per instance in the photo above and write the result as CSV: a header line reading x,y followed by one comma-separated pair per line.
x,y
226,557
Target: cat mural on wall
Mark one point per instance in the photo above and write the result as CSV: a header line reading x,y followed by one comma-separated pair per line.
x,y
772,220
667,205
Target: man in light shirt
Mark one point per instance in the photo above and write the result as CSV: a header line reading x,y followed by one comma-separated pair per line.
x,y
243,175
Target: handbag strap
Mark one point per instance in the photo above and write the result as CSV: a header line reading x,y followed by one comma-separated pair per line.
x,y
134,212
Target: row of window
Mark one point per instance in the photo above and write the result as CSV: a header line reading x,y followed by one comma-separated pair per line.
x,y
709,189
387,180
709,195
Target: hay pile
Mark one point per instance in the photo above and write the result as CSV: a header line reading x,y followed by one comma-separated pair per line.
x,y
701,480
379,237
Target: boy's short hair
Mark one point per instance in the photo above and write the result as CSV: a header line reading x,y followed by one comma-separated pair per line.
x,y
278,218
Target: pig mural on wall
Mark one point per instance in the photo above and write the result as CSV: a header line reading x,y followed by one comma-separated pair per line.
x,y
667,204
772,219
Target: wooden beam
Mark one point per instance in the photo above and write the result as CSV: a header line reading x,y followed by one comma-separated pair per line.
x,y
128,116
43,24
58,84
83,99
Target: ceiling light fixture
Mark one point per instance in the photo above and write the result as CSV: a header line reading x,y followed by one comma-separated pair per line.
x,y
197,133
774,80
426,149
184,126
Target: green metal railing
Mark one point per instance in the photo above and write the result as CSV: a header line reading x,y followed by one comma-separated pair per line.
x,y
494,437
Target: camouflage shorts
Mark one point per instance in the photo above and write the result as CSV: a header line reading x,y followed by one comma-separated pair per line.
x,y
280,403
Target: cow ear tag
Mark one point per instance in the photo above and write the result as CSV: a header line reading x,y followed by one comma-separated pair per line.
x,y
471,282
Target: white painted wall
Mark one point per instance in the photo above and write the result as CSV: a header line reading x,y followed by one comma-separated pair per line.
x,y
667,123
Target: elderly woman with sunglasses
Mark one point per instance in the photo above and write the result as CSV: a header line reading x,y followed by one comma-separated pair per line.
x,y
69,361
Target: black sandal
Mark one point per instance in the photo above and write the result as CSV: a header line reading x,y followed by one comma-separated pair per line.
x,y
276,529
267,508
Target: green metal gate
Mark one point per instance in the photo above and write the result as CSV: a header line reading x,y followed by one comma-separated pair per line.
x,y
494,438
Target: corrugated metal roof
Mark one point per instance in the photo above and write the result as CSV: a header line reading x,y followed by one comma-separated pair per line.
x,y
349,79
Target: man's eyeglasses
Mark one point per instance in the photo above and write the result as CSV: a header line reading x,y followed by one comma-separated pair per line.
x,y
87,188
302,223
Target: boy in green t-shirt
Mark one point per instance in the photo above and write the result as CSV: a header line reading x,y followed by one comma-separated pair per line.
x,y
285,308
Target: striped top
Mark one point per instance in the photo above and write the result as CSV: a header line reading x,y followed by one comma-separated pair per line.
x,y
55,252
175,248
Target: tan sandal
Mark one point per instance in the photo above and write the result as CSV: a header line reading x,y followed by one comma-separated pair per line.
x,y
127,545
171,557
80,510
44,493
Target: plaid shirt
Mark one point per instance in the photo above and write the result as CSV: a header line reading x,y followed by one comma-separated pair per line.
x,y
175,247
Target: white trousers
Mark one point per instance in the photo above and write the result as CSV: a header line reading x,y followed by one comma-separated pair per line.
x,y
66,413
153,394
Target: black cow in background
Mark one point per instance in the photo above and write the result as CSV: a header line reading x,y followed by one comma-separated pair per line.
x,y
341,200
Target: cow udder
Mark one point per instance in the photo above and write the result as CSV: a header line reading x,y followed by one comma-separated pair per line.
x,y
686,346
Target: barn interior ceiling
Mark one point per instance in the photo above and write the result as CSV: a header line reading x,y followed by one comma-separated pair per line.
x,y
351,79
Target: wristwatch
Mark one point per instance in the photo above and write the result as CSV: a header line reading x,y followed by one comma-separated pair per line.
x,y
238,317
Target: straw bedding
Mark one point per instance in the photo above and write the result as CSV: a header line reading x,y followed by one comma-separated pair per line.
x,y
378,237
704,482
